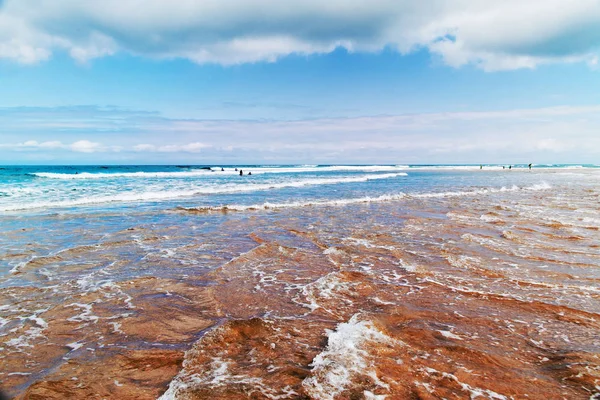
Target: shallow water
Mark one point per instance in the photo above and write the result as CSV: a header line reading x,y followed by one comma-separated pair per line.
x,y
329,284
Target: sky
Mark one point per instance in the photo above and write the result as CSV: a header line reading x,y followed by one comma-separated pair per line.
x,y
299,82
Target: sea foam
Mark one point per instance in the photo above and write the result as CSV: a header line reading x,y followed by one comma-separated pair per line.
x,y
172,194
365,199
347,359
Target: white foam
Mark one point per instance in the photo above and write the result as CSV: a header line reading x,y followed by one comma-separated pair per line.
x,y
325,288
75,345
113,175
346,359
372,396
333,250
457,167
490,218
17,268
483,191
219,374
205,172
39,321
171,194
366,199
116,327
299,204
539,186
366,243
30,334
450,335
331,168
474,392
86,314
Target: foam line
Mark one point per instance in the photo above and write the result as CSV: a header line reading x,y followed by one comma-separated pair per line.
x,y
366,199
174,194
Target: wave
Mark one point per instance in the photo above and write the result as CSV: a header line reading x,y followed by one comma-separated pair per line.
x,y
514,188
567,166
360,167
321,168
112,175
298,204
217,170
359,200
496,167
175,194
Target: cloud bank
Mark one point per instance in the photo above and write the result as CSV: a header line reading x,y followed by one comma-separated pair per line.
x,y
80,146
492,35
545,135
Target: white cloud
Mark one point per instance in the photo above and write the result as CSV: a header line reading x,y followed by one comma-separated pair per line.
x,y
81,146
492,35
50,145
554,134
85,146
34,144
195,147
144,147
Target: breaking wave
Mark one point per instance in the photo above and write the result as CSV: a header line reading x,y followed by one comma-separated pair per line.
x,y
208,190
365,199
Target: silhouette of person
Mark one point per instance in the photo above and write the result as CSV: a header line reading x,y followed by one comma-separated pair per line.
x,y
241,172
250,173
529,165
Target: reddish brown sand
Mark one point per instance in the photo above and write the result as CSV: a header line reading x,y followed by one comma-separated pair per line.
x,y
483,297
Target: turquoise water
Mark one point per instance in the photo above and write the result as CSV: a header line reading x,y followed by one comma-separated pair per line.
x,y
64,189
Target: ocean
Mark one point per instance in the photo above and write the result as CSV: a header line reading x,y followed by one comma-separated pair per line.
x,y
300,281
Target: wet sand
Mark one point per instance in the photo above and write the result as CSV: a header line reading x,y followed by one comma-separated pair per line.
x,y
484,296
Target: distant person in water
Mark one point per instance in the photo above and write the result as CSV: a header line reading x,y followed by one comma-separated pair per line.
x,y
510,167
503,167
529,165
481,167
236,169
241,172
250,173
222,169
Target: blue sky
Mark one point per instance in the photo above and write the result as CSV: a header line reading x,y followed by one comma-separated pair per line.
x,y
259,81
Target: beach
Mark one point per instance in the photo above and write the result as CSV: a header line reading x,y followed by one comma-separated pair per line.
x,y
300,282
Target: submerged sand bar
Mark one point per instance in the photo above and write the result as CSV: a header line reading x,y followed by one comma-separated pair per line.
x,y
494,294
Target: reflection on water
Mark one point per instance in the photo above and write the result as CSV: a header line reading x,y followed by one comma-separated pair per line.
x,y
495,294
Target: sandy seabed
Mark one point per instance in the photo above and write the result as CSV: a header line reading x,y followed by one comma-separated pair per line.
x,y
489,295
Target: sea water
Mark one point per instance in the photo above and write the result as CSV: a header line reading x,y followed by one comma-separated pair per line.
x,y
326,281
